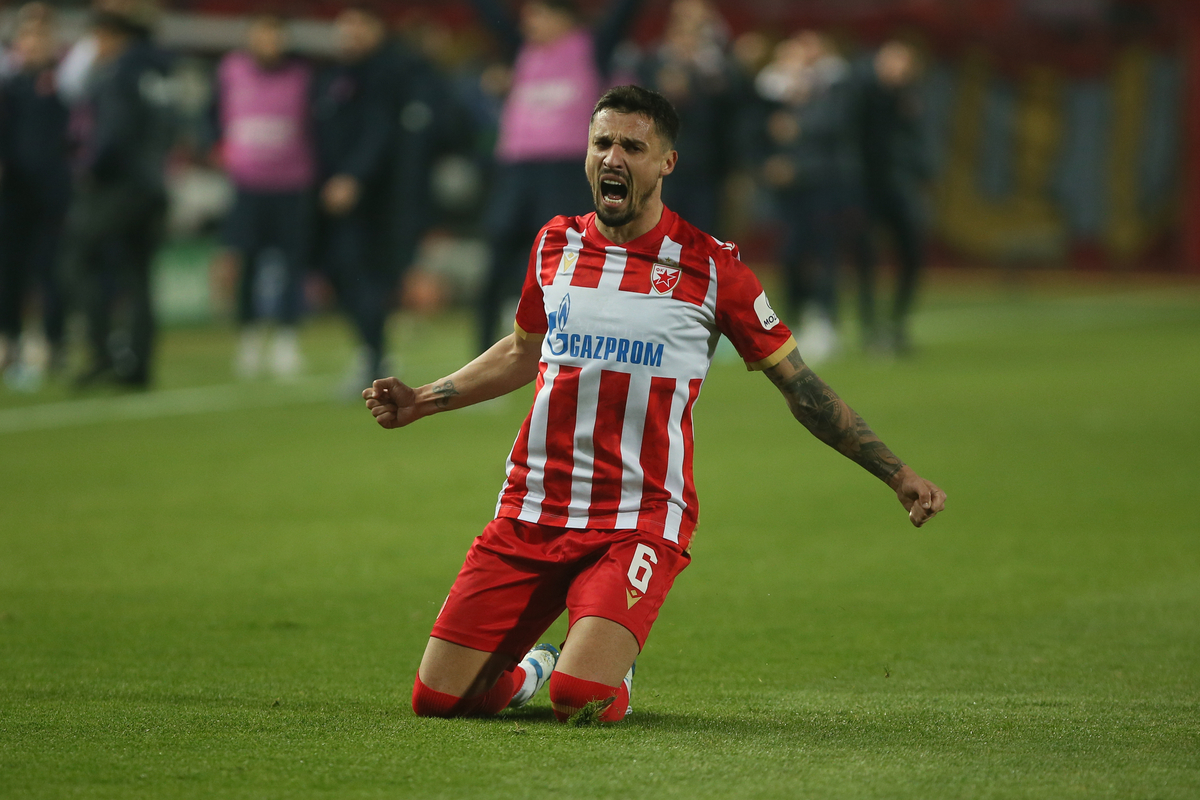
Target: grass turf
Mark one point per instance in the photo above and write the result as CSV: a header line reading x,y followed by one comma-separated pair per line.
x,y
224,591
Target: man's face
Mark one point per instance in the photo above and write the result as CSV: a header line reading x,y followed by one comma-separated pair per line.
x,y
35,44
626,160
542,24
267,40
358,34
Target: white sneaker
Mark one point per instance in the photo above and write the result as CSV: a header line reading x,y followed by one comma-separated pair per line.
x,y
286,361
248,361
628,681
539,663
818,340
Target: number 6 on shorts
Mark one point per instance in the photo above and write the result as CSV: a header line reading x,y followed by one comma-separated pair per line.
x,y
640,569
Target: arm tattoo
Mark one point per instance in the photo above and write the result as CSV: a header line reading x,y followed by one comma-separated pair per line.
x,y
818,408
443,392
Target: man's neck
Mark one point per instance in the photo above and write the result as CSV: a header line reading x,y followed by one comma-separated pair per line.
x,y
645,222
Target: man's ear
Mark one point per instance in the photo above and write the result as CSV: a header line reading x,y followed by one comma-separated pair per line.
x,y
669,163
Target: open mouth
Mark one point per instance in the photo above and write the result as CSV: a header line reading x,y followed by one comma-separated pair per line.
x,y
613,190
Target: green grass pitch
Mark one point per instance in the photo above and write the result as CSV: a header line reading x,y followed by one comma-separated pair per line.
x,y
223,591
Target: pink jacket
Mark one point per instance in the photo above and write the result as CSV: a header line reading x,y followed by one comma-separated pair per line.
x,y
264,115
554,89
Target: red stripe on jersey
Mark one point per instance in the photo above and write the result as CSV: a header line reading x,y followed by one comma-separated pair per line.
x,y
551,253
691,507
656,448
606,444
640,263
590,267
637,274
518,486
693,283
561,412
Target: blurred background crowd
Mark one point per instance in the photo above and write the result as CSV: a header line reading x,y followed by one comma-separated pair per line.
x,y
259,163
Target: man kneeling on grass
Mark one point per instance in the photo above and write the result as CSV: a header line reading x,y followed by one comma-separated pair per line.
x,y
618,322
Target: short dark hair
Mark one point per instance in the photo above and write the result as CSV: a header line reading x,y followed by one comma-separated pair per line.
x,y
567,7
638,100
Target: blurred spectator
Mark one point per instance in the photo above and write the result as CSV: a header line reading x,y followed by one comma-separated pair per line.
x,y
812,167
557,77
432,124
35,185
262,102
887,122
76,65
692,70
356,110
114,227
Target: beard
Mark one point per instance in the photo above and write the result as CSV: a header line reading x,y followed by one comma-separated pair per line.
x,y
616,217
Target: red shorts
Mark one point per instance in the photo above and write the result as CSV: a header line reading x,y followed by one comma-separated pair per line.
x,y
519,576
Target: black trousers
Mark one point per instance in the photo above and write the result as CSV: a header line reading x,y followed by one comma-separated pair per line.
x,y
354,250
258,221
30,238
894,210
113,234
814,225
525,196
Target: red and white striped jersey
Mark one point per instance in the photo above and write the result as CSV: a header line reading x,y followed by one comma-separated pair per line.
x,y
630,333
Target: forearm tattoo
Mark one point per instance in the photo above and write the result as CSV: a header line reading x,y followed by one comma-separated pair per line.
x,y
443,392
818,408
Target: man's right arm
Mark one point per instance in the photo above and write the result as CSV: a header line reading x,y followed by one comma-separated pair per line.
x,y
507,366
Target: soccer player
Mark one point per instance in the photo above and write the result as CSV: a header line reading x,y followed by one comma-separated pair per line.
x,y
618,321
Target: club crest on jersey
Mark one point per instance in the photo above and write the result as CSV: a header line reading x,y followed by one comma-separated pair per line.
x,y
663,278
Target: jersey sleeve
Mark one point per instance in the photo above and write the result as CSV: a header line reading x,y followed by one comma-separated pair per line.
x,y
745,315
531,310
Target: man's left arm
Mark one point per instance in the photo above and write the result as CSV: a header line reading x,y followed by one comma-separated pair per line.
x,y
830,419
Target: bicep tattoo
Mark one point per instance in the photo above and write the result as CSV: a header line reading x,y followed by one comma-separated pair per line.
x,y
818,408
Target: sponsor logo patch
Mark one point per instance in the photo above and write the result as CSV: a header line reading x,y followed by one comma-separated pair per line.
x,y
766,314
568,261
631,597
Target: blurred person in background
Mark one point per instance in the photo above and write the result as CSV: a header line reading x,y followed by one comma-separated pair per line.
x,y
812,167
355,111
35,188
123,129
263,115
76,65
559,72
886,119
691,69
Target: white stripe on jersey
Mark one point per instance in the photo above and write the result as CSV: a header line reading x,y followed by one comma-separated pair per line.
x,y
632,475
584,450
541,243
531,507
670,250
674,479
573,247
614,269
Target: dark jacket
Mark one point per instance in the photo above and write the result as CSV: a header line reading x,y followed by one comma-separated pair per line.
x,y
34,145
886,122
126,122
356,111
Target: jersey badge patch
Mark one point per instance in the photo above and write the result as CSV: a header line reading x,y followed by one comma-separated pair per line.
x,y
664,278
766,314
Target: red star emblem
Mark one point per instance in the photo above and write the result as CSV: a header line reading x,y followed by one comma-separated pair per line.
x,y
663,278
